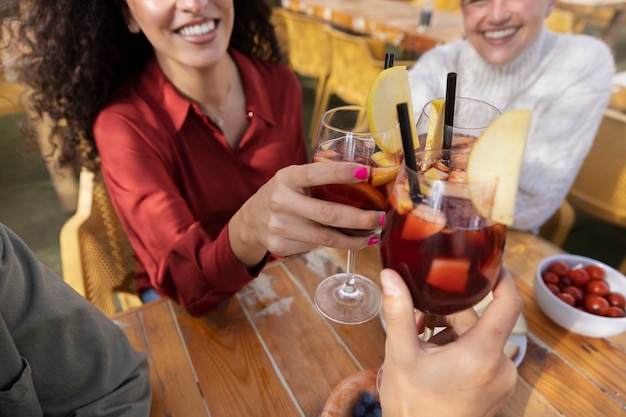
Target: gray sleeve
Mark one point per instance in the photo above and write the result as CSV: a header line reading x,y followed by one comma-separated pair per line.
x,y
73,360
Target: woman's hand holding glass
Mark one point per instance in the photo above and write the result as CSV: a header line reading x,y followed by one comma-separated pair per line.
x,y
283,219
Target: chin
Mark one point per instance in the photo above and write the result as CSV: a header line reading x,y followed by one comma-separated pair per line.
x,y
498,58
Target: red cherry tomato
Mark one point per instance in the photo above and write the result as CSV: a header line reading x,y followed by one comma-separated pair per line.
x,y
558,267
595,272
616,299
550,277
554,289
579,277
595,304
575,292
567,298
615,311
600,288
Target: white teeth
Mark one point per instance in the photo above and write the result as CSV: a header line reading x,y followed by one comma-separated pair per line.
x,y
499,34
198,30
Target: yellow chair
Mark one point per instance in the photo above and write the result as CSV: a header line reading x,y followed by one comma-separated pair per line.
x,y
96,256
600,187
354,63
562,21
558,227
280,27
308,49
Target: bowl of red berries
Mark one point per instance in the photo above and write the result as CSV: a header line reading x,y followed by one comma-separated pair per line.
x,y
582,295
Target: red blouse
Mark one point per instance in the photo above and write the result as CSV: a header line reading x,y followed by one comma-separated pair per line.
x,y
175,182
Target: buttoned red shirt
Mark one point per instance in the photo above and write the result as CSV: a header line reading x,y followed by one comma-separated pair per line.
x,y
175,182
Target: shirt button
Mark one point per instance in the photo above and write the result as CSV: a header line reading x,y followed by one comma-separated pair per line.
x,y
250,114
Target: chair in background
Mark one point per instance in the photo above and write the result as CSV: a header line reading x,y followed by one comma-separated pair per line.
x,y
308,49
562,21
558,227
97,258
354,63
600,187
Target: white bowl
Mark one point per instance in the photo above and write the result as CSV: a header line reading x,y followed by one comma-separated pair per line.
x,y
571,318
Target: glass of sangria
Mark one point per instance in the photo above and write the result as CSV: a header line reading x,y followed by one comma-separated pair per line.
x,y
443,243
344,135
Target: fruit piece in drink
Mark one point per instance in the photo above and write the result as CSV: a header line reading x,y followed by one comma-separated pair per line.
x,y
498,153
388,89
447,267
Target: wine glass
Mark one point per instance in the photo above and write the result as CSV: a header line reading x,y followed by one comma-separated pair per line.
x,y
443,243
471,117
344,135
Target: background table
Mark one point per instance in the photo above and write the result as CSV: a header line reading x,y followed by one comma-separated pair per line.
x,y
270,353
393,21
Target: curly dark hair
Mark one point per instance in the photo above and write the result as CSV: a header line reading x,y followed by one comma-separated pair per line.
x,y
73,54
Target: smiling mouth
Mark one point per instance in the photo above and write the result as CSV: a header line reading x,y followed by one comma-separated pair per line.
x,y
499,34
198,30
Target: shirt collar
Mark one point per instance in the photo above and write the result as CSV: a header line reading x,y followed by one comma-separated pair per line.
x,y
155,86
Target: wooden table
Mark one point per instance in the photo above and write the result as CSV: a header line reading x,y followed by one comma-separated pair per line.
x,y
269,353
393,21
584,10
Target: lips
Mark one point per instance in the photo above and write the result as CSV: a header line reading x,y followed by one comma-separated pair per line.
x,y
499,34
198,29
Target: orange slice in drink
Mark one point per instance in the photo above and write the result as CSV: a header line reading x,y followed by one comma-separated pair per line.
x,y
361,195
383,175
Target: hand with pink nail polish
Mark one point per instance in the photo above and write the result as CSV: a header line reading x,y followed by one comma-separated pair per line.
x,y
344,136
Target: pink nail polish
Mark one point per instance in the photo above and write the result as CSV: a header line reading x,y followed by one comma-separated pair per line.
x,y
382,219
373,241
360,173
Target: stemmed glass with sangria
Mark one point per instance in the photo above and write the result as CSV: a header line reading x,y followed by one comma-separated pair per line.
x,y
344,135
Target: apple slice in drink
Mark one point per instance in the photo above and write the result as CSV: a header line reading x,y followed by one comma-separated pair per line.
x,y
498,153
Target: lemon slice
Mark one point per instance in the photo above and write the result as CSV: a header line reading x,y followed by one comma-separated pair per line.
x,y
434,134
390,88
498,153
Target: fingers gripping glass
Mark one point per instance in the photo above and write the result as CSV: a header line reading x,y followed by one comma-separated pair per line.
x,y
344,135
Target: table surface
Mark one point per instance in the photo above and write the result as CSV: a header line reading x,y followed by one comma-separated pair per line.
x,y
270,353
393,21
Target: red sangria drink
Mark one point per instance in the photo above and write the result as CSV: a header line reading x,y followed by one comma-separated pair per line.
x,y
370,195
345,136
444,246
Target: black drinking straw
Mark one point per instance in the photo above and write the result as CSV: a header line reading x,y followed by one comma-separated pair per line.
x,y
389,60
409,151
449,110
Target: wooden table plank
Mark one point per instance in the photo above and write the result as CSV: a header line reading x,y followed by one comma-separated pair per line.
x,y
157,335
274,301
370,354
237,376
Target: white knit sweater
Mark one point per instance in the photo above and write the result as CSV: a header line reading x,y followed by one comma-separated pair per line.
x,y
564,79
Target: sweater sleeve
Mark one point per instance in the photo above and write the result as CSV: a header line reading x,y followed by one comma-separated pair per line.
x,y
565,122
72,359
